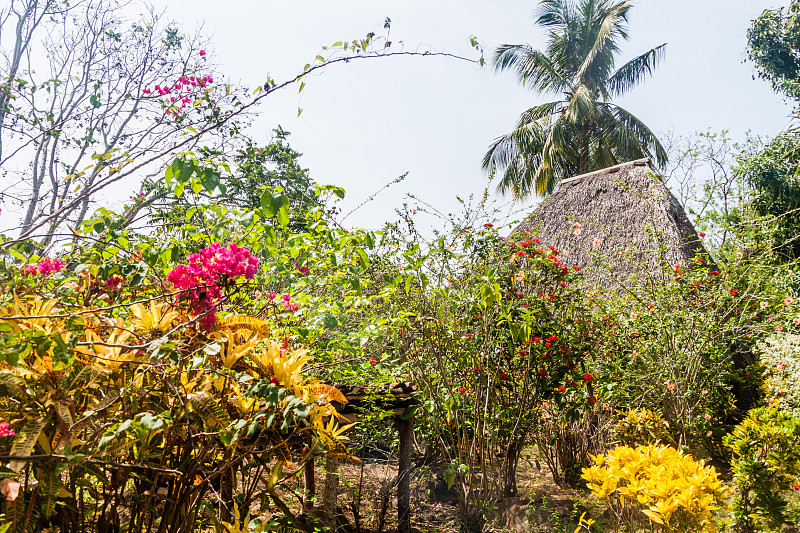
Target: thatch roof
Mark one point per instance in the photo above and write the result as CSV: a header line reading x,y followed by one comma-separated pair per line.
x,y
616,223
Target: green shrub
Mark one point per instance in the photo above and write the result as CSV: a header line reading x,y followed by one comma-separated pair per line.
x,y
766,464
642,426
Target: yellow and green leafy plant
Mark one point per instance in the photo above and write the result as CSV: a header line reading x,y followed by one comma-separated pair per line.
x,y
657,488
766,467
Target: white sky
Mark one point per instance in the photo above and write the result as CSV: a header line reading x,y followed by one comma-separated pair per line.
x,y
365,123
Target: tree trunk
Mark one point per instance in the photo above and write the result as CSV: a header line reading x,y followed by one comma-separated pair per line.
x,y
405,430
510,469
329,493
310,485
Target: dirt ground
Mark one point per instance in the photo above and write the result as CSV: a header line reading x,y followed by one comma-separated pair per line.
x,y
540,506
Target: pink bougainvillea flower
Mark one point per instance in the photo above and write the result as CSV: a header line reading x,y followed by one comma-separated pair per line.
x,y
201,281
6,430
113,282
202,53
44,267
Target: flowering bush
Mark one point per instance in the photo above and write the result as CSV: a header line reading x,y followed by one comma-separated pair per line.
x,y
504,337
131,395
780,356
684,348
657,485
766,466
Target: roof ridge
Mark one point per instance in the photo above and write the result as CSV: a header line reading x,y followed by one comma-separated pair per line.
x,y
603,170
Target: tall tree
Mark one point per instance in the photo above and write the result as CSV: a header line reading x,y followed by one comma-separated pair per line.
x,y
584,130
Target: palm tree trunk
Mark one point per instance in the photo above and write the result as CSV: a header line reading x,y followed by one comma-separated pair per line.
x,y
583,150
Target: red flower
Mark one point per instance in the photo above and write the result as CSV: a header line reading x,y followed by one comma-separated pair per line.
x,y
537,241
372,361
796,486
576,267
543,372
488,225
537,339
588,378
702,234
562,388
734,292
591,400
503,375
462,390
715,273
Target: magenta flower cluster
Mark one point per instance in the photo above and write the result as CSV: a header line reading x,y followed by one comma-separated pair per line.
x,y
207,272
184,85
5,429
45,266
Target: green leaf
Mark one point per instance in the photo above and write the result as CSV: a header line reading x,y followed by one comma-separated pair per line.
x,y
210,181
283,216
26,440
409,412
329,321
187,168
363,260
49,485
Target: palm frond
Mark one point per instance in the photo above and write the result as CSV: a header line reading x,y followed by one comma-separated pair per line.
x,y
533,68
553,14
633,138
634,71
606,25
582,105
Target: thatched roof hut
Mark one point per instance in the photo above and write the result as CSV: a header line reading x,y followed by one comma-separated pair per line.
x,y
616,223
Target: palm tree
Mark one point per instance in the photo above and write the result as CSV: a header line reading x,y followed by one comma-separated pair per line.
x,y
584,131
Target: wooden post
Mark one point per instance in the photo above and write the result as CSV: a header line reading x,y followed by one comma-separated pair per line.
x,y
329,496
405,430
310,485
